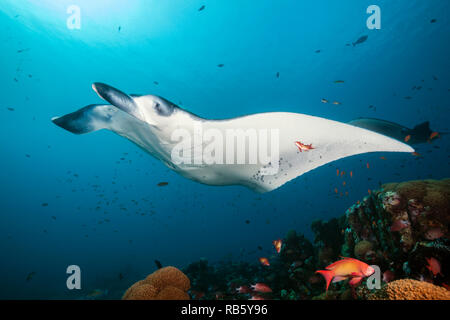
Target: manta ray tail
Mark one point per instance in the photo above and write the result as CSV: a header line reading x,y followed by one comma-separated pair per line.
x,y
90,118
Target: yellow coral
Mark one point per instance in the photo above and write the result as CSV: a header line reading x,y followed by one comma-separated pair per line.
x,y
169,276
172,293
167,283
408,289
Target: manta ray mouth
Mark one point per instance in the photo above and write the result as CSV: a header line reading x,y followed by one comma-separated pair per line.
x,y
116,97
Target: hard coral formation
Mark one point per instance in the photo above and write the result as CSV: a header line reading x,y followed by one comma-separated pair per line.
x,y
408,289
398,228
167,283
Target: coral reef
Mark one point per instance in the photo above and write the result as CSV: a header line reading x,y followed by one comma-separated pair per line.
x,y
407,289
167,283
403,228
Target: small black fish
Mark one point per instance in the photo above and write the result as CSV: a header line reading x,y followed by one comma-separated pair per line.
x,y
10,109
158,264
162,184
360,40
44,204
278,74
30,276
247,221
202,8
53,217
156,82
120,28
220,65
22,50
121,276
433,20
317,51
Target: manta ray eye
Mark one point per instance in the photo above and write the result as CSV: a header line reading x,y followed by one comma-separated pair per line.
x,y
163,109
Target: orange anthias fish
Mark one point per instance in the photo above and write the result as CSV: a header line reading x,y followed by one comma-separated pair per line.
x,y
434,266
407,138
277,244
433,135
303,147
264,262
351,174
347,268
261,287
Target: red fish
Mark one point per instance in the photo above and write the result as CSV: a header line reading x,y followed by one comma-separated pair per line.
x,y
243,289
277,244
434,266
261,287
399,225
337,172
433,135
347,268
303,147
407,138
264,262
351,174
368,165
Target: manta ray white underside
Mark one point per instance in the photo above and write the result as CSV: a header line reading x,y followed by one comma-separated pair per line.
x,y
150,121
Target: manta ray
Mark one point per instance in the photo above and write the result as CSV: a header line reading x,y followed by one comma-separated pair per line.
x,y
300,142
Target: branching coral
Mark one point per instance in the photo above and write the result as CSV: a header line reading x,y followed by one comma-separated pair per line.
x,y
167,283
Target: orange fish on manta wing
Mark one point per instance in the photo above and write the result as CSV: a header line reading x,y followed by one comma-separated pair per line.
x,y
303,147
347,268
407,138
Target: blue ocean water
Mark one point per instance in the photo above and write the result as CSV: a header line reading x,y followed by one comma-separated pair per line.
x,y
93,200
